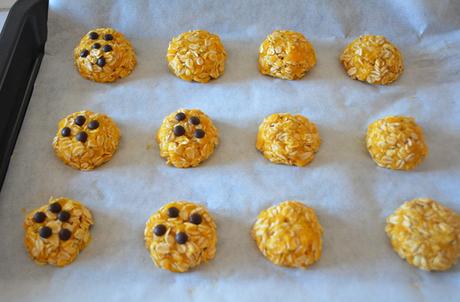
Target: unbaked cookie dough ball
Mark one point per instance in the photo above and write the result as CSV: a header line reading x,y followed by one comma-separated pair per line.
x,y
85,140
56,233
180,236
104,55
187,137
426,234
396,142
196,55
288,139
286,55
372,59
289,234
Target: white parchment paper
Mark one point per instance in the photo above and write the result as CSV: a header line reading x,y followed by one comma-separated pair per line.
x,y
351,194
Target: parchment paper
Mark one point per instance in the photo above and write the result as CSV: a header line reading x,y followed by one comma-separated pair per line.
x,y
351,194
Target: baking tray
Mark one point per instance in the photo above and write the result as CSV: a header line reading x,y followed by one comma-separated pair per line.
x,y
22,44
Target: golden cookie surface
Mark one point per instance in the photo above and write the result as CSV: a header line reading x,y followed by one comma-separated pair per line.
x,y
372,59
186,138
286,55
104,55
289,234
288,139
180,235
85,140
396,142
196,55
426,234
56,233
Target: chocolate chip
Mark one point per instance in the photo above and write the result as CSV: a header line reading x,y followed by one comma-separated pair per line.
x,y
181,238
93,35
108,37
80,120
107,48
199,133
64,216
194,120
65,234
93,125
179,130
173,212
55,207
180,116
84,53
65,131
195,218
81,136
101,62
39,217
96,46
45,232
159,230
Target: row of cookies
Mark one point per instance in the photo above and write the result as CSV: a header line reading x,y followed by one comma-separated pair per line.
x,y
85,140
182,235
105,55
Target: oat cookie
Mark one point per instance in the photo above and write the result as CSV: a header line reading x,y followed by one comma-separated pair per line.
x,y
104,55
56,233
426,234
288,139
396,142
286,55
187,137
196,55
289,234
372,59
180,236
85,140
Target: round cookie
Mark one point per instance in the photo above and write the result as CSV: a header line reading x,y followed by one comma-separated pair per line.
x,y
104,55
180,236
288,139
196,56
372,59
187,137
396,142
56,233
286,55
426,234
289,234
85,140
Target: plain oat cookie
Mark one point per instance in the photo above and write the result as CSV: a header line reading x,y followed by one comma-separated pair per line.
x,y
289,234
426,234
104,55
85,140
187,137
372,59
288,139
396,142
197,56
180,235
56,233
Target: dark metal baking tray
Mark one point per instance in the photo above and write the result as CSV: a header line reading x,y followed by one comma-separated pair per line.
x,y
22,45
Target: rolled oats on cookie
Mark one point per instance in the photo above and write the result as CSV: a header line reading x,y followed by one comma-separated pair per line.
x,y
180,236
289,234
104,55
56,233
426,234
85,140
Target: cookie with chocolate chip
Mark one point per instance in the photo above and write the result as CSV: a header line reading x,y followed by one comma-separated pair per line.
x,y
104,55
187,137
56,232
180,235
85,139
